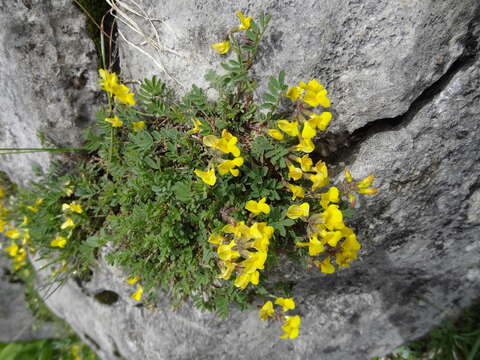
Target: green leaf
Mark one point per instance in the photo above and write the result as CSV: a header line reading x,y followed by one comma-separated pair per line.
x,y
269,97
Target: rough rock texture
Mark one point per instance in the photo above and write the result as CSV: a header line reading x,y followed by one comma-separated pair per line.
x,y
375,57
48,76
16,321
405,80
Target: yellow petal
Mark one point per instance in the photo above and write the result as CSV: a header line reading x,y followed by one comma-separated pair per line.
x,y
276,134
290,128
221,47
137,295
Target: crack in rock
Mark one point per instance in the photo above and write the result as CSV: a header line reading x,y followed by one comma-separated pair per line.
x,y
347,144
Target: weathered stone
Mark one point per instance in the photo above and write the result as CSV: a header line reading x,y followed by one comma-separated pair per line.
x,y
375,57
419,261
48,76
16,320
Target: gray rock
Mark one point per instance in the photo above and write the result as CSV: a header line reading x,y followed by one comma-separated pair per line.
x,y
48,76
375,57
16,320
419,262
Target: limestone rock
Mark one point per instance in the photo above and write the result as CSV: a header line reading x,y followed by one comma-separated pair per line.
x,y
48,76
16,320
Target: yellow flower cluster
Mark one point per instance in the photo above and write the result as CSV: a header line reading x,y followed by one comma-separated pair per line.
x,y
360,187
69,211
226,144
291,324
242,249
138,294
120,92
224,46
327,233
305,123
19,236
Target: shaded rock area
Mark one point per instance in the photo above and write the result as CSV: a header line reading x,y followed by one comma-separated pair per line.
x,y
16,320
48,76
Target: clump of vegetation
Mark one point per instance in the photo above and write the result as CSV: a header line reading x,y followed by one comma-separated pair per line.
x,y
199,197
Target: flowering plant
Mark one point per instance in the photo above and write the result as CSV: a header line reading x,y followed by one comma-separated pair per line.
x,y
201,197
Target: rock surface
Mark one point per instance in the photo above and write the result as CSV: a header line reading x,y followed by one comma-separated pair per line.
x,y
405,80
48,76
16,320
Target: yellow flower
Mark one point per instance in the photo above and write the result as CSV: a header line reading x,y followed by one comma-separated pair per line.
x,y
123,95
196,126
294,93
21,256
13,234
331,196
255,261
59,241
109,81
114,121
221,47
315,94
348,176
285,303
12,250
321,121
226,253
258,207
276,134
238,231
320,178
137,295
297,211
290,327
325,266
228,144
2,192
227,268
290,128
133,280
294,172
308,131
333,218
243,280
68,223
73,207
32,208
208,177
305,145
305,162
315,246
245,21
216,239
138,125
297,191
331,237
229,166
262,233
266,311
